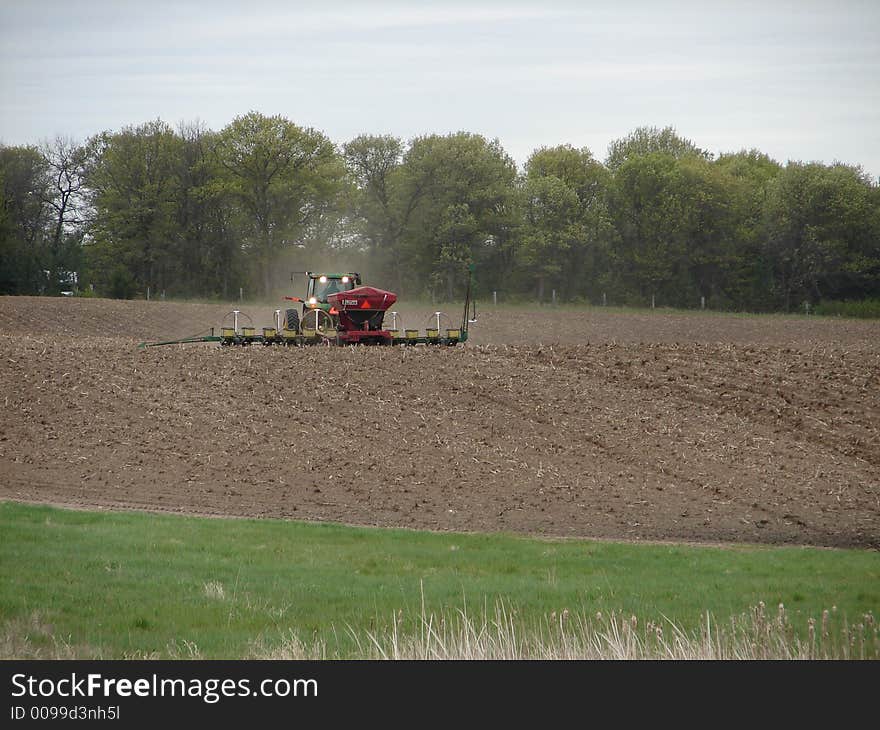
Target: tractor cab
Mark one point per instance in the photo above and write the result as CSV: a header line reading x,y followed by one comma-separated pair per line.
x,y
322,286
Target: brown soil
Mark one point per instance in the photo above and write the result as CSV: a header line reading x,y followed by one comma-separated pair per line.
x,y
555,422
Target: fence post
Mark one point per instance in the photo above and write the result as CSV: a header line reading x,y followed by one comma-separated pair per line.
x,y
553,296
495,298
604,300
652,301
148,293
702,302
241,293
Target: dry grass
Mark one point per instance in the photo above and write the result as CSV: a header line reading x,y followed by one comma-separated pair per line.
x,y
500,634
34,638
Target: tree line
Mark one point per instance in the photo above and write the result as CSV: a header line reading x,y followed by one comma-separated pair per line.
x,y
190,212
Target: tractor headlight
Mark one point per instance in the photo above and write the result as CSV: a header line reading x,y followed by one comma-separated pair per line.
x,y
345,280
312,301
323,279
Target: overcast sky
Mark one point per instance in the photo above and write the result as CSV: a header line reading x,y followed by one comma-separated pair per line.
x,y
797,80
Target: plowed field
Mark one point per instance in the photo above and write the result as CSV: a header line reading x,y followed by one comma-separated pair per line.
x,y
557,422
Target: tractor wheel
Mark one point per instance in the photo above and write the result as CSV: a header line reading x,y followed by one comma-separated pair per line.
x,y
292,320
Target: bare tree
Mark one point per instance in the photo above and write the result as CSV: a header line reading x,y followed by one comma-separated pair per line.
x,y
64,197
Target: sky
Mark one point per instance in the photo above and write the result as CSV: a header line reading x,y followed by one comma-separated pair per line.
x,y
796,80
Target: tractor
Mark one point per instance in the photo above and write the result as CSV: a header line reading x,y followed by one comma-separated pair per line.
x,y
316,305
337,310
337,306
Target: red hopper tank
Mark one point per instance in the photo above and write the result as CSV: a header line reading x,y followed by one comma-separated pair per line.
x,y
361,312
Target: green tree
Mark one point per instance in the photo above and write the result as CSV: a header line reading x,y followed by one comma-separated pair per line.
x,y
24,217
282,177
648,140
551,228
209,250
133,179
383,200
712,252
750,276
651,219
589,226
678,220
464,191
821,233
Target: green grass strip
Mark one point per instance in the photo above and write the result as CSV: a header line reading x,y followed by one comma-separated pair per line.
x,y
126,584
